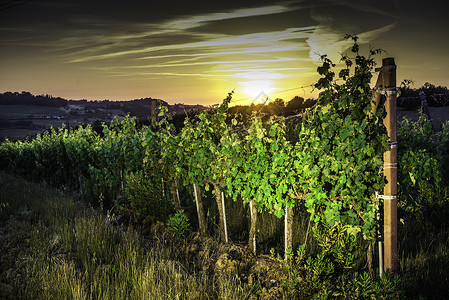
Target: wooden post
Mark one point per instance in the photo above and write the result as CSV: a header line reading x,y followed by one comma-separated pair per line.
x,y
288,231
175,195
425,108
200,211
220,211
391,258
252,230
224,217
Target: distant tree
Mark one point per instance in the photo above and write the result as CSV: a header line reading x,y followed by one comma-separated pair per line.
x,y
277,107
431,89
409,98
428,86
309,102
26,98
295,105
279,102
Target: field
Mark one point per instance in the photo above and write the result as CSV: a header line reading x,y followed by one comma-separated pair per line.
x,y
58,247
18,121
54,246
23,111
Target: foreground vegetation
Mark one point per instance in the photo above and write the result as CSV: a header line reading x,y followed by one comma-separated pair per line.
x,y
55,247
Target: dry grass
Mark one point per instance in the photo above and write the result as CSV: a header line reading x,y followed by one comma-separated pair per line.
x,y
57,248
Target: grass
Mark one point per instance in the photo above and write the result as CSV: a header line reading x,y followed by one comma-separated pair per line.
x,y
70,251
56,247
424,262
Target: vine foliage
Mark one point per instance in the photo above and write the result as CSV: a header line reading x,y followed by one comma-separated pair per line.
x,y
339,153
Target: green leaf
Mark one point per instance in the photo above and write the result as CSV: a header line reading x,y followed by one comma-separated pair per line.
x,y
412,178
353,230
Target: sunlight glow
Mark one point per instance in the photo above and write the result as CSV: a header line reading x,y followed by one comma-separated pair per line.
x,y
257,90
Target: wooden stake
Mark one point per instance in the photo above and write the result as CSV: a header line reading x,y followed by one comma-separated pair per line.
x,y
288,230
222,221
391,258
200,211
425,108
153,111
224,217
252,230
176,201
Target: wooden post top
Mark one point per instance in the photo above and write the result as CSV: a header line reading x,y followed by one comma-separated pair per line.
x,y
389,61
389,72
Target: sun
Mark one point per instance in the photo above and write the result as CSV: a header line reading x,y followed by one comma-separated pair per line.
x,y
256,88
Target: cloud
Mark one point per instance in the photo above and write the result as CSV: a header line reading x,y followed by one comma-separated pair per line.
x,y
196,21
267,49
245,42
248,62
368,36
327,40
150,37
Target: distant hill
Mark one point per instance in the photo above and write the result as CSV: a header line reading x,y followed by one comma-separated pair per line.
x,y
26,98
140,108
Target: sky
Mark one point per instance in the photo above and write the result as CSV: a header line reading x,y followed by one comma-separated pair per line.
x,y
196,52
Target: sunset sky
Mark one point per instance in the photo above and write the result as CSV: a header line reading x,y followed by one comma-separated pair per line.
x,y
193,52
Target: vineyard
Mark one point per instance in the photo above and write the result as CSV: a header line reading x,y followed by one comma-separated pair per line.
x,y
314,181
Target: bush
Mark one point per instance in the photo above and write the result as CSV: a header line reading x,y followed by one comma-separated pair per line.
x,y
178,225
423,172
144,200
308,276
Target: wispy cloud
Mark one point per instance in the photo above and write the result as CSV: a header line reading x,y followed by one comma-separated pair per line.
x,y
255,41
196,21
251,62
326,40
329,36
